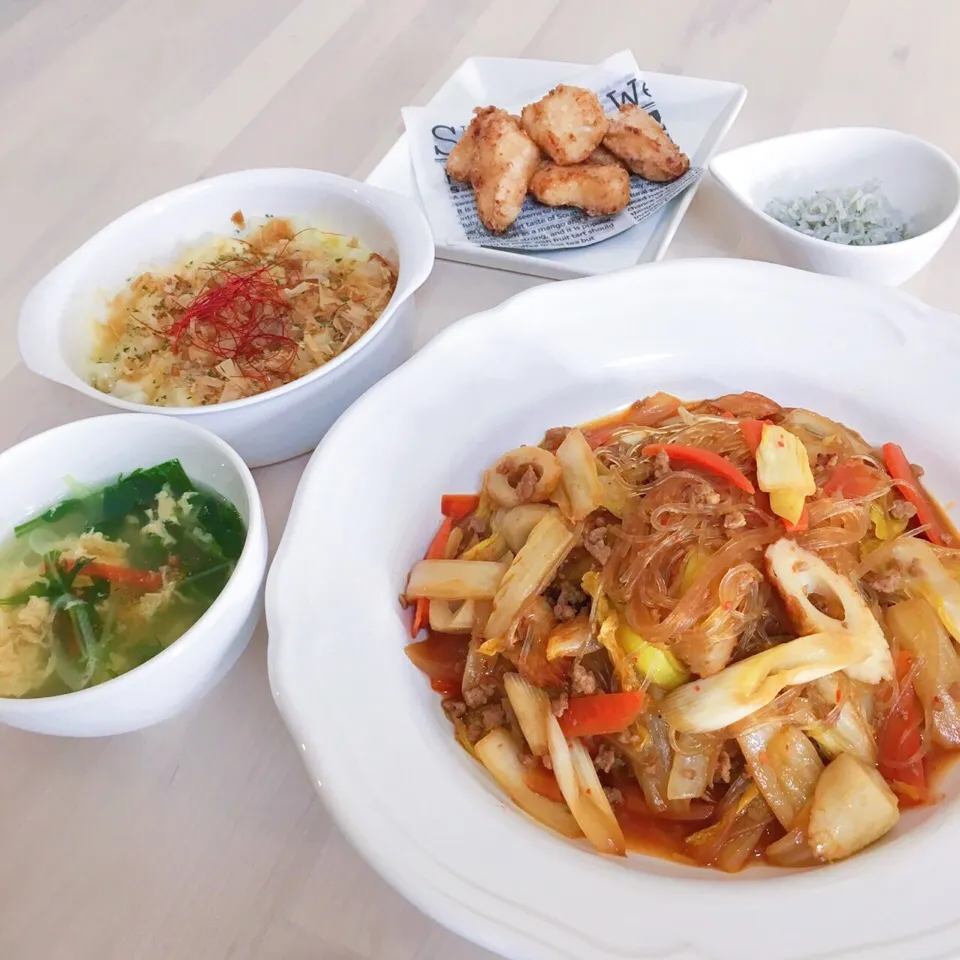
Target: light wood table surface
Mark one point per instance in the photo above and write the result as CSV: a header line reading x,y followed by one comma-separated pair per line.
x,y
202,838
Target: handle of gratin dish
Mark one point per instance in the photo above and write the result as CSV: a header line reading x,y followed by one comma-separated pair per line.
x,y
38,323
414,242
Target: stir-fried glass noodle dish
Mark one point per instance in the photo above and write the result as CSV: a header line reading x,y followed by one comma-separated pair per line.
x,y
720,632
239,316
106,579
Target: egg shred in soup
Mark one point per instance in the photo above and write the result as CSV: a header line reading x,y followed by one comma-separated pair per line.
x,y
240,316
105,580
719,632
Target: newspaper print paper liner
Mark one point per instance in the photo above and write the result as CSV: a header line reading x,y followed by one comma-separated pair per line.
x,y
617,80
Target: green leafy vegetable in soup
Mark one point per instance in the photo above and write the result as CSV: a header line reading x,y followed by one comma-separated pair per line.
x,y
104,580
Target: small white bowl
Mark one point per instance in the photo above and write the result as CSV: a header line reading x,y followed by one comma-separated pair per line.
x,y
95,451
56,322
919,180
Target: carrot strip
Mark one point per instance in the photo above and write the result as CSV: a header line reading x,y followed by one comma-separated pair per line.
x,y
851,479
459,506
752,431
900,740
542,781
908,484
601,714
436,550
699,457
148,580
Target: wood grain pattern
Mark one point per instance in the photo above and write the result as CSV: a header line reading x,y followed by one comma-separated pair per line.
x,y
203,838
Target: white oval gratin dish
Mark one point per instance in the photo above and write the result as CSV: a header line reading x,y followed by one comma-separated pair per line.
x,y
374,739
56,319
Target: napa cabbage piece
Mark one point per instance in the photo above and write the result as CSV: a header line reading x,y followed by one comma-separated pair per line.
x,y
917,629
455,579
534,566
929,579
694,762
493,547
784,765
655,664
632,656
783,471
572,638
743,815
852,808
850,729
580,480
614,495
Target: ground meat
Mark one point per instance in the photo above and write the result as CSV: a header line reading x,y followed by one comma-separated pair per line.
x,y
455,708
527,485
902,510
661,465
827,461
630,739
917,469
477,696
559,704
734,520
478,526
614,796
606,758
890,582
554,437
706,496
595,544
723,766
582,681
569,601
546,761
529,760
492,716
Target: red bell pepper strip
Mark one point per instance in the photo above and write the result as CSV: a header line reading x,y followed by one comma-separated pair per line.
x,y
900,740
701,458
601,714
436,551
908,484
148,580
851,480
459,506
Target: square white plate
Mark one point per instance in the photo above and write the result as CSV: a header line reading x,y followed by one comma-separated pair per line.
x,y
698,112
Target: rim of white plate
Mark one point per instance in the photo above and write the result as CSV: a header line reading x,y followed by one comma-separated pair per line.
x,y
456,847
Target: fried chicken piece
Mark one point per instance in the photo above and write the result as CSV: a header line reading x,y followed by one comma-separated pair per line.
x,y
603,157
645,146
567,124
460,158
597,189
504,160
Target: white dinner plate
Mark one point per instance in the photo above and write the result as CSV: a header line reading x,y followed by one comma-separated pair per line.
x,y
373,735
698,112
